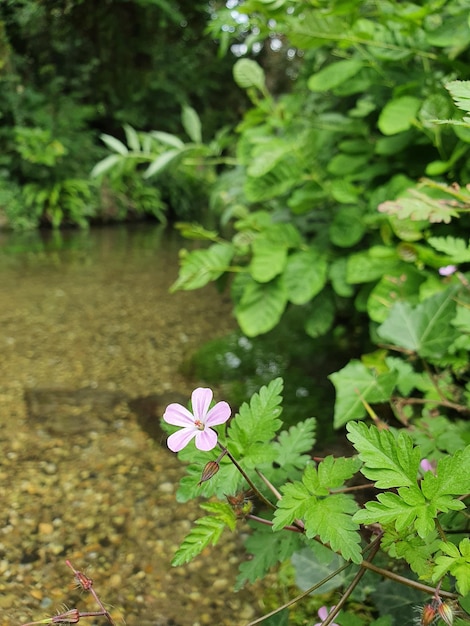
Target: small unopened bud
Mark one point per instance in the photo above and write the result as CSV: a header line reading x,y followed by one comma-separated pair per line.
x,y
446,612
210,470
428,614
69,617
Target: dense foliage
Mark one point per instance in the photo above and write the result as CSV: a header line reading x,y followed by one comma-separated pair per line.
x,y
72,70
348,202
343,194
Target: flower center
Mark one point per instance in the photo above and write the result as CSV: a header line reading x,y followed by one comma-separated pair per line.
x,y
199,425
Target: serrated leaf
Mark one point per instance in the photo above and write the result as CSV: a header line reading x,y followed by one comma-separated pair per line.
x,y
457,249
355,383
331,519
205,531
199,267
292,445
295,500
331,473
418,206
257,423
267,549
389,459
452,476
192,124
460,92
456,561
426,329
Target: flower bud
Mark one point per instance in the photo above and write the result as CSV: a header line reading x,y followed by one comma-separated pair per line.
x,y
210,470
428,614
446,613
69,617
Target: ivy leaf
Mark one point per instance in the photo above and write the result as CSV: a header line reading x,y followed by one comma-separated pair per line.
x,y
455,561
389,459
267,549
355,383
200,267
426,329
205,531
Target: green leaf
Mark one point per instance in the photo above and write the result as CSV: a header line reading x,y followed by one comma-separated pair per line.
x,y
327,515
199,267
205,531
347,227
457,249
105,165
418,206
259,421
406,509
392,287
355,383
331,519
452,476
161,162
335,74
372,264
266,549
455,561
426,329
321,315
304,275
269,259
293,446
248,73
398,115
168,139
191,124
389,459
132,138
114,144
260,307
460,92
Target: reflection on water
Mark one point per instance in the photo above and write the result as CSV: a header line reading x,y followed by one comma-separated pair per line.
x,y
88,328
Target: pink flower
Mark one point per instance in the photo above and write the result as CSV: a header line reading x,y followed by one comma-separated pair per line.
x,y
197,424
447,270
427,466
323,614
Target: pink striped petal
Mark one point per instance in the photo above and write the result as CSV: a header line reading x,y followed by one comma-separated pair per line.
x,y
206,439
178,415
200,401
177,441
219,414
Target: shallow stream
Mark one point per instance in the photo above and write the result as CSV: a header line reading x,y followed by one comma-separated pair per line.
x,y
91,344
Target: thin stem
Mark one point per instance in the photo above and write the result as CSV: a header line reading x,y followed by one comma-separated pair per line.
x,y
405,581
302,595
247,478
268,522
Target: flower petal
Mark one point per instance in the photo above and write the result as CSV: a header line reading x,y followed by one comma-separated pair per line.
x,y
206,439
200,401
218,414
178,415
177,441
323,613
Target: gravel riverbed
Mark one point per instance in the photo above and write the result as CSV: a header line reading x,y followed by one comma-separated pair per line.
x,y
86,337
